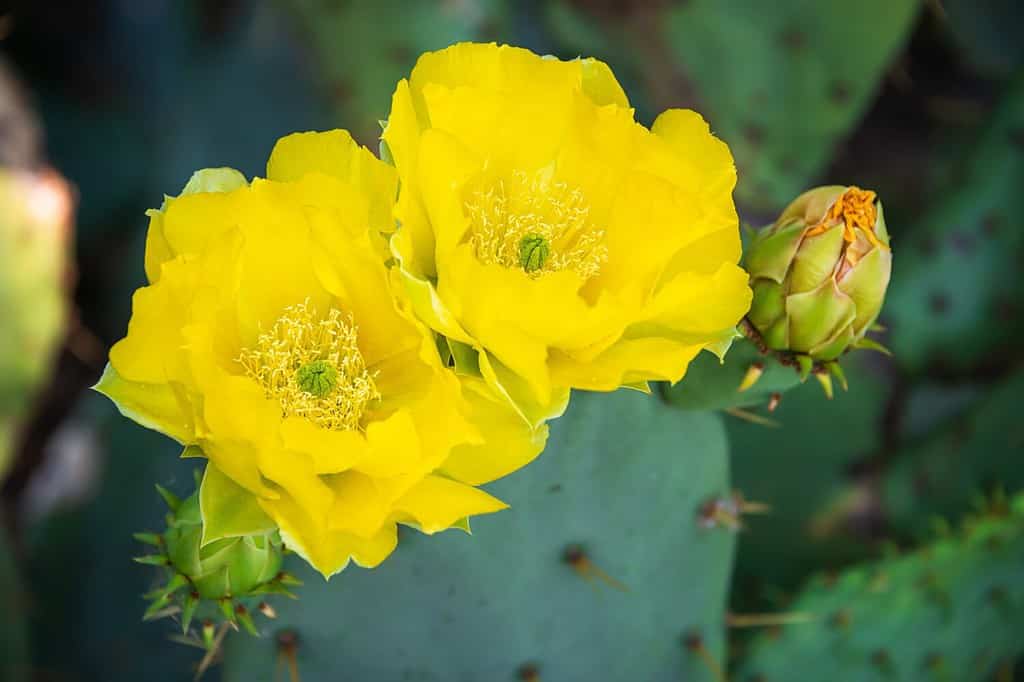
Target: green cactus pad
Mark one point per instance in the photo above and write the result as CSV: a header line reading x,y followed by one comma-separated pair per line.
x,y
364,48
15,664
713,385
782,87
954,300
943,474
623,478
949,611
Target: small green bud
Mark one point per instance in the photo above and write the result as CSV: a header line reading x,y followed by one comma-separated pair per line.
x,y
317,378
533,252
212,577
819,273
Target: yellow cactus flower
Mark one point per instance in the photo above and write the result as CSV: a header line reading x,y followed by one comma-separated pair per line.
x,y
542,226
273,337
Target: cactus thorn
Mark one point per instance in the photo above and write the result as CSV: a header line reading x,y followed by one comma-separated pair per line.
x,y
212,640
694,643
773,401
267,610
528,672
576,557
747,416
881,659
753,620
287,649
172,500
840,619
753,374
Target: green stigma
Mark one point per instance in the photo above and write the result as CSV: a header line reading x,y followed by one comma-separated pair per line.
x,y
533,252
317,378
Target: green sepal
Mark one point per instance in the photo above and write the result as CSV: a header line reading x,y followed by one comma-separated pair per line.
x,y
172,500
192,452
228,510
176,582
288,579
274,588
152,560
826,384
870,344
208,633
155,610
188,610
772,251
245,620
149,539
837,371
227,609
805,364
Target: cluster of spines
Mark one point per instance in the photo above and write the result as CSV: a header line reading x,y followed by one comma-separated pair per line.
x,y
178,594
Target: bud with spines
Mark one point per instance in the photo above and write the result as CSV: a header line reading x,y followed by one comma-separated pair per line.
x,y
217,578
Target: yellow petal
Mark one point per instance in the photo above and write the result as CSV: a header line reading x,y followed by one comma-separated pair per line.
x,y
150,353
394,446
436,503
509,441
335,153
156,406
327,551
697,304
628,361
332,451
359,507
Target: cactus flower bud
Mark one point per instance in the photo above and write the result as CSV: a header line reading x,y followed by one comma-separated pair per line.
x,y
820,272
210,578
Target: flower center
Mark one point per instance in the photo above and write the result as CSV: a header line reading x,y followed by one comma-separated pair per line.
x,y
533,223
856,209
313,367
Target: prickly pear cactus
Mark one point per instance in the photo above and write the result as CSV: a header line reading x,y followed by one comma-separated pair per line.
x,y
34,213
956,293
942,475
949,611
777,85
603,569
801,469
363,48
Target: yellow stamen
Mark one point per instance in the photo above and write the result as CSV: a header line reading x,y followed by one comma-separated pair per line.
x,y
313,367
856,209
536,224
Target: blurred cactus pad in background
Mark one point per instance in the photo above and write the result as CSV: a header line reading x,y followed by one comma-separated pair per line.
x,y
738,526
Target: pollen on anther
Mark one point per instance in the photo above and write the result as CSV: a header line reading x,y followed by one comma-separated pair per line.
x,y
313,367
534,223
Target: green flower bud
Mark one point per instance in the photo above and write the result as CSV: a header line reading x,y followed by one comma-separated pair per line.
x,y
820,272
212,578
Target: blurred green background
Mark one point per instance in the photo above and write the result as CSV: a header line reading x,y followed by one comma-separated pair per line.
x,y
921,101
